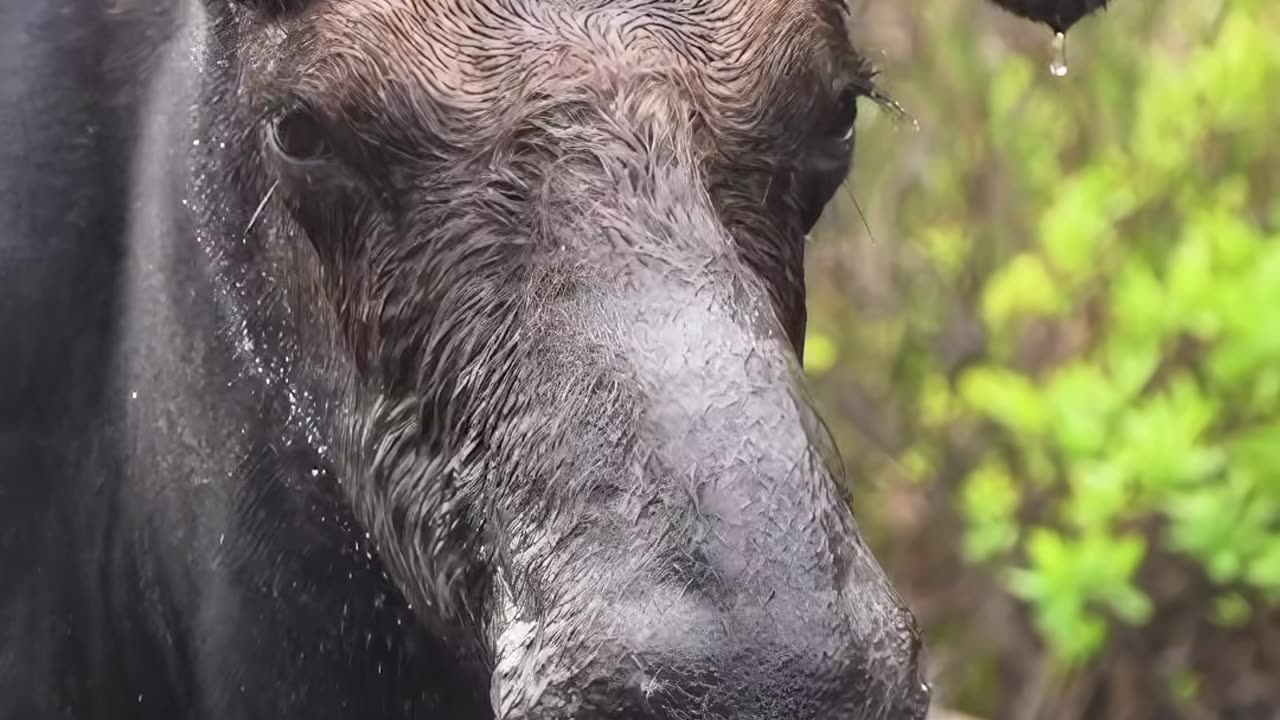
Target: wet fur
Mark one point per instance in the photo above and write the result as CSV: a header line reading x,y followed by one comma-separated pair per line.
x,y
1060,15
398,434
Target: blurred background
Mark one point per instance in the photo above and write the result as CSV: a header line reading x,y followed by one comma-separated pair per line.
x,y
1045,332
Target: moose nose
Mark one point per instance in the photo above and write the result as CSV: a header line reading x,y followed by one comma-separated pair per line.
x,y
692,662
722,575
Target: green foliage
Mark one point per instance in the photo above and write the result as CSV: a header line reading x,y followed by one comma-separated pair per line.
x,y
990,500
1124,265
1170,411
1067,581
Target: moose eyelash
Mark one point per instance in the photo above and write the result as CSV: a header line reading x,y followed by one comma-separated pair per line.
x,y
863,74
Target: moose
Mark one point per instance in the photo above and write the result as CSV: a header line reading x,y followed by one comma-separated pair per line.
x,y
389,359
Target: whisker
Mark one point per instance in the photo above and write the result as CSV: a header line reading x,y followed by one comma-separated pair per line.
x,y
261,206
858,206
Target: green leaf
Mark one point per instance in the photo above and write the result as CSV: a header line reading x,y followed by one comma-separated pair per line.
x,y
1025,584
1191,285
937,402
1079,225
1231,610
1202,522
1161,438
1082,403
1075,639
1051,557
1023,287
1184,685
1100,493
989,501
1127,555
948,247
1264,568
1004,396
1130,366
1258,449
1140,306
1130,604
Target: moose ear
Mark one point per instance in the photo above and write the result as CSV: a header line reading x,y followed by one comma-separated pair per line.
x,y
273,8
1057,14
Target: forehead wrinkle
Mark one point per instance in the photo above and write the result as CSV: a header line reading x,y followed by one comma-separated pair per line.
x,y
475,47
461,70
382,43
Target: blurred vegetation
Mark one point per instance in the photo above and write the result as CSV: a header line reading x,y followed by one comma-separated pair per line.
x,y
1045,331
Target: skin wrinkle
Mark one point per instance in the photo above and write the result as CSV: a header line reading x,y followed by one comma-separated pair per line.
x,y
459,56
559,257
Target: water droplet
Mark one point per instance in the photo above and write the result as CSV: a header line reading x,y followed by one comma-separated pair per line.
x,y
1058,65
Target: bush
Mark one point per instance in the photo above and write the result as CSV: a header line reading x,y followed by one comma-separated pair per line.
x,y
1079,334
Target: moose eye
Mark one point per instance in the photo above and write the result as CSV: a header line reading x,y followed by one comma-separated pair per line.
x,y
827,164
844,115
298,135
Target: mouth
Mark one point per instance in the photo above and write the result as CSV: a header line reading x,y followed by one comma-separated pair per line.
x,y
548,673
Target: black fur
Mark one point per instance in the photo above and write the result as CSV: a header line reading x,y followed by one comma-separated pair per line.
x,y
1057,14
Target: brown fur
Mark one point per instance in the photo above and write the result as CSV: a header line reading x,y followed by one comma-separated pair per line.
x,y
458,80
512,192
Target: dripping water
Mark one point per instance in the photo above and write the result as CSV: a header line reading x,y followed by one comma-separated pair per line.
x,y
1058,65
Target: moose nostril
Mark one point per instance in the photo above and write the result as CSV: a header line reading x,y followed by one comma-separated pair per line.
x,y
919,693
921,697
